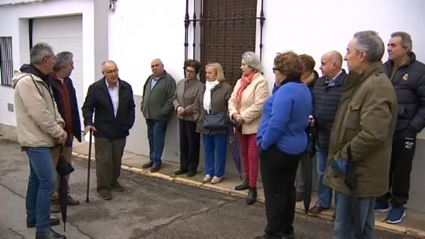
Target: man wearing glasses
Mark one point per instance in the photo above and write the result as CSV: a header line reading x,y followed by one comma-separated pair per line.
x,y
112,100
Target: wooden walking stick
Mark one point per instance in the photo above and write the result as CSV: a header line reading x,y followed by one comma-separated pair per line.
x,y
88,166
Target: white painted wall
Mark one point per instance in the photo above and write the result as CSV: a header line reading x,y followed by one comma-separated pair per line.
x,y
17,26
139,32
315,27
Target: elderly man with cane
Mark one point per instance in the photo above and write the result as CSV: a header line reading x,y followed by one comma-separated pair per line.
x,y
111,100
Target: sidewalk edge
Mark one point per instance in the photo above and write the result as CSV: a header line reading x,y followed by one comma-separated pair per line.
x,y
380,225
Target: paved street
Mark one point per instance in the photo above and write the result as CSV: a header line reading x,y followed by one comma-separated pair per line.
x,y
149,208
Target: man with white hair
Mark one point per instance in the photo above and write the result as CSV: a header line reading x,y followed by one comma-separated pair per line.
x,y
361,138
111,101
40,128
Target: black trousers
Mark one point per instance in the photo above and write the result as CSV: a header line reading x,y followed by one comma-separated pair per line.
x,y
278,171
190,144
403,151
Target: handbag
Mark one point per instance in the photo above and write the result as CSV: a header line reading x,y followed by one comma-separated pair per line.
x,y
216,121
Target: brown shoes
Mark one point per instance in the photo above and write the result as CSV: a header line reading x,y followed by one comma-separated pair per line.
x,y
317,209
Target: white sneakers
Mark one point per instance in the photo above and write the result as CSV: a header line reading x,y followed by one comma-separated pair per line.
x,y
213,180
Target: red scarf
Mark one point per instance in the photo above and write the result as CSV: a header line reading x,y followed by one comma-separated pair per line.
x,y
245,81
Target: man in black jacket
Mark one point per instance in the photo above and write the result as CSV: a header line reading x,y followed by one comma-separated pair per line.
x,y
408,77
66,100
112,101
327,93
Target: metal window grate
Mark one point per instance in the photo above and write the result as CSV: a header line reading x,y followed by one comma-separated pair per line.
x,y
6,61
222,31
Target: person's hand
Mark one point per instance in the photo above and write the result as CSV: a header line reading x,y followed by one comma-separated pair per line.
x,y
239,119
89,128
63,138
181,110
311,119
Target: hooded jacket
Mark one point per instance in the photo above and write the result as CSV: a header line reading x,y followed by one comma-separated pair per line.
x,y
38,121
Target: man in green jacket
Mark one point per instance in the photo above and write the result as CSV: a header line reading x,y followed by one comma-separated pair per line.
x,y
157,107
365,123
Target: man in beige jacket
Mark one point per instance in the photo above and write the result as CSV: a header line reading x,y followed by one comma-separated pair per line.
x,y
40,128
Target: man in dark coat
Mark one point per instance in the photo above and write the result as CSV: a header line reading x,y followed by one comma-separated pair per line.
x,y
327,93
112,101
408,78
66,101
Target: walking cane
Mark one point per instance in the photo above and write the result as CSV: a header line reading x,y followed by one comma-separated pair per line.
x,y
88,167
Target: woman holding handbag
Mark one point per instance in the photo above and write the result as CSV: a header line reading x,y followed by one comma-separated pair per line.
x,y
213,122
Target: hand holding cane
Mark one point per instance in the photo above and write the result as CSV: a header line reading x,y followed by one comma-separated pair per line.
x,y
88,166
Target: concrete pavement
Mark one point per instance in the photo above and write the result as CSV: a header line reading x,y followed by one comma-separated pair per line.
x,y
149,208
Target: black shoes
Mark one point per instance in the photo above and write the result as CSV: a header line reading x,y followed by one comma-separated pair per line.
x,y
155,168
117,188
49,235
53,222
180,172
147,165
243,186
252,196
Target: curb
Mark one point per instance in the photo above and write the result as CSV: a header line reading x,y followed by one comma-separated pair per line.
x,y
299,209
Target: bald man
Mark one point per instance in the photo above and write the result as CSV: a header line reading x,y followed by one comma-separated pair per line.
x,y
111,100
157,107
327,92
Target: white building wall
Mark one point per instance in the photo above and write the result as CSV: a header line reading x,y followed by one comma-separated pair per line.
x,y
139,32
16,17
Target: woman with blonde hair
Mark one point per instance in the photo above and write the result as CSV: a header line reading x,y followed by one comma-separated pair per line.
x,y
245,109
213,122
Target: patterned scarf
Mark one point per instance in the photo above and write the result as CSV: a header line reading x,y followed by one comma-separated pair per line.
x,y
245,81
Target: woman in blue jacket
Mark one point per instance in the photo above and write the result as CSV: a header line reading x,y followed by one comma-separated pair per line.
x,y
282,139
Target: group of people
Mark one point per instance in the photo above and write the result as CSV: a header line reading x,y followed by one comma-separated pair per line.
x,y
362,124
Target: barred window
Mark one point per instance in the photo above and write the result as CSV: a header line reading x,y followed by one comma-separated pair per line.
x,y
6,61
222,31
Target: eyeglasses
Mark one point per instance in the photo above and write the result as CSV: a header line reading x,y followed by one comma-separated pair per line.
x,y
110,72
274,69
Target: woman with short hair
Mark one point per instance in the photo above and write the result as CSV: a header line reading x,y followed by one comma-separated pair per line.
x,y
282,139
213,122
187,90
245,109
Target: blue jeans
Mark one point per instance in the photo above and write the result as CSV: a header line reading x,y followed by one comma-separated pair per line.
x,y
41,186
156,135
344,227
215,145
324,192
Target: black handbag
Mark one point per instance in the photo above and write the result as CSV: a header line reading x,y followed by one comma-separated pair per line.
x,y
216,121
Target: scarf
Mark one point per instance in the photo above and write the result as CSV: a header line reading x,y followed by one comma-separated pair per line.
x,y
245,81
209,85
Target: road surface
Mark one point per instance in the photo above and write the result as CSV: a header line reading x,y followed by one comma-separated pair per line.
x,y
149,208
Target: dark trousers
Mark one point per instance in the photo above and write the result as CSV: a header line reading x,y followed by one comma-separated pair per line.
x,y
156,135
190,144
278,171
108,161
403,151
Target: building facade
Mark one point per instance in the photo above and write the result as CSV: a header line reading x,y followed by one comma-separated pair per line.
x,y
132,33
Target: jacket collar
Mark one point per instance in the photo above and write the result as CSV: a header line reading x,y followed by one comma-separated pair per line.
x,y
412,58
